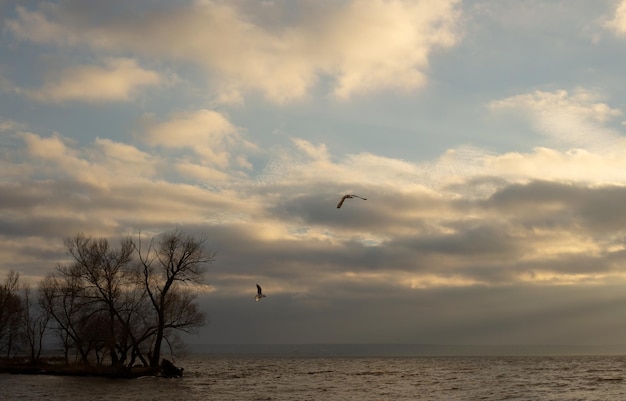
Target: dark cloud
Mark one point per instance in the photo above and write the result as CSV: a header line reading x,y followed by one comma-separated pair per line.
x,y
476,315
597,207
383,213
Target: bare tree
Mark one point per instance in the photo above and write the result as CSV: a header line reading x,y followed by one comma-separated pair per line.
x,y
11,309
103,271
174,260
35,321
94,300
62,296
108,305
136,324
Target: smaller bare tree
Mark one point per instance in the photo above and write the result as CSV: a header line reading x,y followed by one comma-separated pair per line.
x,y
35,322
62,296
11,309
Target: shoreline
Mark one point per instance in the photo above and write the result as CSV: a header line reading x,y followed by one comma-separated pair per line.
x,y
19,367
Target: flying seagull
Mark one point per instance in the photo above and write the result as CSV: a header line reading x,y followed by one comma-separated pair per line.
x,y
347,197
259,295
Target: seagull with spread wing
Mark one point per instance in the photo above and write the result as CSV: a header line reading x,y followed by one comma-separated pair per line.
x,y
259,294
348,197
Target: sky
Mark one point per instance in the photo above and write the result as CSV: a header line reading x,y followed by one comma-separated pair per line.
x,y
488,136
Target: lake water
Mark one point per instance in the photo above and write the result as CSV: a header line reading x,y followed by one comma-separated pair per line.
x,y
347,378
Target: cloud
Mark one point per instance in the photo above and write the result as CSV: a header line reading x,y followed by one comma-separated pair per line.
x,y
201,173
117,80
595,207
46,148
572,119
9,125
100,166
466,218
430,233
423,225
463,172
188,129
373,45
213,138
121,157
360,45
316,153
618,23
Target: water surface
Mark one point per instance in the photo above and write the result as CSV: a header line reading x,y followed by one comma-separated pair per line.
x,y
347,378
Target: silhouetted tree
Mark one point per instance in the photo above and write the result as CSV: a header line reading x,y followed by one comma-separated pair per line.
x,y
105,304
62,295
11,310
104,273
35,321
175,259
136,324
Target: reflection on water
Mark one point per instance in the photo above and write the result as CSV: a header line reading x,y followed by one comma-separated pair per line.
x,y
341,378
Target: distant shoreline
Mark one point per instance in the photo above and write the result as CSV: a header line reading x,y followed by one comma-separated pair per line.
x,y
400,350
52,366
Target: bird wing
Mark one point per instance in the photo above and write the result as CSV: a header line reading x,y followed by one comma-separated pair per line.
x,y
343,198
258,289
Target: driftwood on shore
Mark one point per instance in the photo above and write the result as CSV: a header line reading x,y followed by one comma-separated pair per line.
x,y
17,366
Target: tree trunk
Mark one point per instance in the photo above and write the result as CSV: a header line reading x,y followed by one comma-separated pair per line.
x,y
156,353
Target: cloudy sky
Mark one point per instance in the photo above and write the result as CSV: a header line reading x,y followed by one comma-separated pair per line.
x,y
488,137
